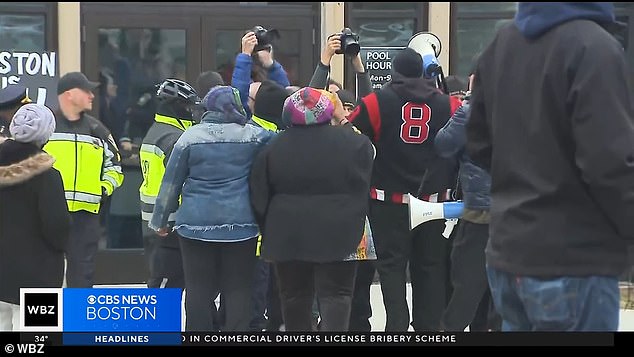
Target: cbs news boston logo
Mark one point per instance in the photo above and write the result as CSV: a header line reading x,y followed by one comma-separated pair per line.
x,y
100,310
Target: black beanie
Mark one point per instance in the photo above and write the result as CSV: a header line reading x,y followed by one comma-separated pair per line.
x,y
208,80
408,63
269,102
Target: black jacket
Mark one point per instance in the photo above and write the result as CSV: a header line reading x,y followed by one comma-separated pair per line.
x,y
34,221
309,190
402,120
553,121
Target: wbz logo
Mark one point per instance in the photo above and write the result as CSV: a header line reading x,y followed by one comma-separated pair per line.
x,y
41,309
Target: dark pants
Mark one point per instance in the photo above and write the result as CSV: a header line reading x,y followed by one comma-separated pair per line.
x,y
332,283
124,232
260,292
218,313
430,268
427,252
165,261
486,317
211,267
361,309
81,249
468,277
274,305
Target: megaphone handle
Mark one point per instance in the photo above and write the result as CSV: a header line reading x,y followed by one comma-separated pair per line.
x,y
449,226
442,82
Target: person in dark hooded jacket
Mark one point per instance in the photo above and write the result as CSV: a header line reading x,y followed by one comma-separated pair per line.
x,y
402,120
558,142
34,218
309,195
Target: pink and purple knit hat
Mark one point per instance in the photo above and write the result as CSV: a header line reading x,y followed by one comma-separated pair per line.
x,y
309,106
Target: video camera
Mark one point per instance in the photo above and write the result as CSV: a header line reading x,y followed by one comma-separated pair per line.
x,y
265,38
349,43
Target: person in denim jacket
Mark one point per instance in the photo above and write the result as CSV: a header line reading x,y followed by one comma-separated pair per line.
x,y
258,61
468,262
209,167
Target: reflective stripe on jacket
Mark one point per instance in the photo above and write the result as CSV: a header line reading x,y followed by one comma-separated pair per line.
x,y
265,124
88,160
155,148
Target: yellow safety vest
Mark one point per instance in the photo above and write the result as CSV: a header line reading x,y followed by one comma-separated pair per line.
x,y
153,167
265,124
80,161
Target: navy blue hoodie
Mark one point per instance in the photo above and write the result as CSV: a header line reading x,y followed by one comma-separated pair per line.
x,y
533,19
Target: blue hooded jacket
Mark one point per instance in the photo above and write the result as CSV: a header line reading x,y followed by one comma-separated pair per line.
x,y
533,19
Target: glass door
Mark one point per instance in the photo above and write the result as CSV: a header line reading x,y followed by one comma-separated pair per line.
x,y
129,55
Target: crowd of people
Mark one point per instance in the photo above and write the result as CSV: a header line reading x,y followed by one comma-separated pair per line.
x,y
284,201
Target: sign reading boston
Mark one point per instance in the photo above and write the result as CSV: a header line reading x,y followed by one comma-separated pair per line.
x,y
34,70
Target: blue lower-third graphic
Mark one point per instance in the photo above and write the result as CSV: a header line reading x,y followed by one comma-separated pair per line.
x,y
122,310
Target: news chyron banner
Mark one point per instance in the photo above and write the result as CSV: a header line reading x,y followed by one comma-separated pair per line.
x,y
104,316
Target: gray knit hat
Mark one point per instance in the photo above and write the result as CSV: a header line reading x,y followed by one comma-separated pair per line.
x,y
32,123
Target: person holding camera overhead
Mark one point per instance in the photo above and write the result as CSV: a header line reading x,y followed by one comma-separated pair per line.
x,y
346,42
256,63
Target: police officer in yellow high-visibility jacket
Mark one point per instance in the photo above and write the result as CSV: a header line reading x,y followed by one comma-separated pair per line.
x,y
88,160
177,100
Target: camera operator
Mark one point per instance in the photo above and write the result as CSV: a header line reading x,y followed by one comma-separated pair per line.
x,y
256,63
333,46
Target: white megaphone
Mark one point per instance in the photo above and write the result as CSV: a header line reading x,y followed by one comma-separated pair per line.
x,y
428,46
422,211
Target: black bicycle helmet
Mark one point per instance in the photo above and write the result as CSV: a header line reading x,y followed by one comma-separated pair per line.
x,y
177,89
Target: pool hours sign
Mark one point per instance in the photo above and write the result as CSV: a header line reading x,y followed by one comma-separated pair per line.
x,y
378,64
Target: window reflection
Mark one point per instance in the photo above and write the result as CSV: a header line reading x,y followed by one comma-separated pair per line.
x,y
22,33
477,25
384,32
473,37
486,7
132,61
385,6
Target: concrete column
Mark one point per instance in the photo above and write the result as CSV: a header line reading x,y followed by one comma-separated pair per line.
x,y
332,20
439,25
69,37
